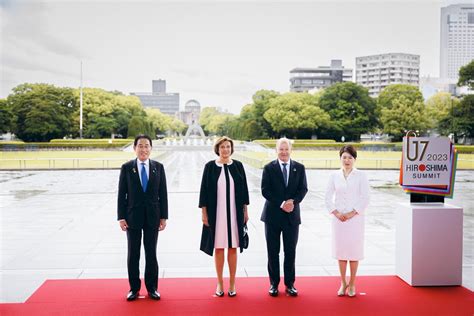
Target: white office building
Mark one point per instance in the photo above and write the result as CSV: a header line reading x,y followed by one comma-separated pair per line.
x,y
457,39
375,72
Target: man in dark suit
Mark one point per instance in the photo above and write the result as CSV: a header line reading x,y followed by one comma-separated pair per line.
x,y
142,206
284,187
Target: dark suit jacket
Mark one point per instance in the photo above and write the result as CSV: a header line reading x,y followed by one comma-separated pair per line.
x,y
208,198
140,208
275,192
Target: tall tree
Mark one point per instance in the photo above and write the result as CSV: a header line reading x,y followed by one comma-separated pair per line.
x,y
296,114
352,110
466,75
6,117
403,115
461,121
402,109
41,112
440,106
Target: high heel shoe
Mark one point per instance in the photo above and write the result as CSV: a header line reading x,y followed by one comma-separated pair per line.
x,y
219,293
342,290
352,291
232,293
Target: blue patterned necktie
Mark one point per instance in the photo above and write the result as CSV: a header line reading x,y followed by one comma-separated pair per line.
x,y
285,174
144,177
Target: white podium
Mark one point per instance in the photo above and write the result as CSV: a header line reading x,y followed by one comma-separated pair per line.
x,y
429,239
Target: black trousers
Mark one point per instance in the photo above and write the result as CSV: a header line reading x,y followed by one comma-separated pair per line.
x,y
290,240
150,239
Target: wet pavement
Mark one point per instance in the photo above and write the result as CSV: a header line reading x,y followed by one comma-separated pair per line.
x,y
62,225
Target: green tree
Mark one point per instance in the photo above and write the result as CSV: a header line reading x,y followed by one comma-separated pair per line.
x,y
401,109
295,114
440,106
404,115
461,122
177,126
41,112
161,122
107,112
392,92
140,125
352,110
207,115
466,75
6,117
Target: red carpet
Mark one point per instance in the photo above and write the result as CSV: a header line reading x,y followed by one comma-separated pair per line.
x,y
384,295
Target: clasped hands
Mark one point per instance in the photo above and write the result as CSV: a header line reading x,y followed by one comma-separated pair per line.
x,y
288,206
344,217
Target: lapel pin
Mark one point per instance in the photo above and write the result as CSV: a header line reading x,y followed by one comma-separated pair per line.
x,y
134,171
294,169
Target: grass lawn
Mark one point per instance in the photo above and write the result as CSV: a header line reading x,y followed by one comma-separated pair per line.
x,y
65,159
329,159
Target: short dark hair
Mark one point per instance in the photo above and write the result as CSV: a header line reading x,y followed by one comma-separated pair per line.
x,y
140,136
348,149
220,140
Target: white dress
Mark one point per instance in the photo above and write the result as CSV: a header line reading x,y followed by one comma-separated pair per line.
x,y
346,195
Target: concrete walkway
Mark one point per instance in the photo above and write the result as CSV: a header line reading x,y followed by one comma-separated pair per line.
x,y
62,225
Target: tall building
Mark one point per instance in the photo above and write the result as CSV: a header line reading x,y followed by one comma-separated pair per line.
x,y
305,79
457,39
167,103
375,72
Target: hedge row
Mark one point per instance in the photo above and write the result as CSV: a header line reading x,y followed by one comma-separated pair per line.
x,y
57,145
464,149
81,141
272,142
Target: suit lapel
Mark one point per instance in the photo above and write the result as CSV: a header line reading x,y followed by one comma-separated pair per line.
x,y
292,173
276,166
153,175
135,177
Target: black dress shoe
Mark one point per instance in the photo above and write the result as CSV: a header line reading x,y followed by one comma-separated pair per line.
x,y
273,291
292,291
154,295
132,295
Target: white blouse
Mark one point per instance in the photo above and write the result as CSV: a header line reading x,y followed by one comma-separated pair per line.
x,y
346,195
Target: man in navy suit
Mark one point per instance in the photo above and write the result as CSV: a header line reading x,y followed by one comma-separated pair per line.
x,y
142,206
284,187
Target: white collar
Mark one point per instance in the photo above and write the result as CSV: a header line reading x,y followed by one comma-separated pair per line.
x,y
282,162
220,164
147,162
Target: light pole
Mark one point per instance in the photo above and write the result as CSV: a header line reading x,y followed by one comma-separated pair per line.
x,y
452,118
80,107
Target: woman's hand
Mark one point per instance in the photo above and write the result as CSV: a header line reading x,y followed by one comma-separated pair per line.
x,y
339,215
350,215
205,219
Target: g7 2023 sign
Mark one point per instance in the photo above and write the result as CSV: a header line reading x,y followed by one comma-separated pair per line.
x,y
426,161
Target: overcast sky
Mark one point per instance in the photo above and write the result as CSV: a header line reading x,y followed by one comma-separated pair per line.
x,y
217,52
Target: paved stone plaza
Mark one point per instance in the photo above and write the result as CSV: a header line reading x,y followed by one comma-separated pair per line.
x,y
62,225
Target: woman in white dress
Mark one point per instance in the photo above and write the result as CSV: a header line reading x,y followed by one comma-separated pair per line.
x,y
347,197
